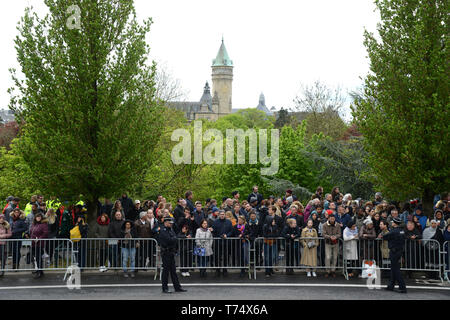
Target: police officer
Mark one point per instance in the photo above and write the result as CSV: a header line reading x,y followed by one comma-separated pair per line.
x,y
169,243
396,239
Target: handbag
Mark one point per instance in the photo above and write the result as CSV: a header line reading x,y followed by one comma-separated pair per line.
x,y
199,251
75,234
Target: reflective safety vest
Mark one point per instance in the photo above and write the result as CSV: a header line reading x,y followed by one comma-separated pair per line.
x,y
80,203
27,210
53,204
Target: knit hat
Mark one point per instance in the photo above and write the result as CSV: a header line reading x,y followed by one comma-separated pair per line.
x,y
368,221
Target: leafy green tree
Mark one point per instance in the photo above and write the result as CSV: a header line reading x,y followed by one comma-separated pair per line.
x,y
15,176
404,108
294,166
86,100
283,118
340,163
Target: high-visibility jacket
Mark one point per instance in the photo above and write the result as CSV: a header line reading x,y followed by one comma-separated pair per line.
x,y
27,210
53,204
80,203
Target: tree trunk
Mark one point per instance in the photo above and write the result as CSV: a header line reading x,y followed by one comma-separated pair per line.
x,y
92,211
427,202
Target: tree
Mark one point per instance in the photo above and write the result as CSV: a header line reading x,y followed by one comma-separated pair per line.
x,y
283,119
167,87
86,103
323,107
340,163
404,109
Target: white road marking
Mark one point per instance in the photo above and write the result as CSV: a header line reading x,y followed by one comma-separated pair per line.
x,y
219,285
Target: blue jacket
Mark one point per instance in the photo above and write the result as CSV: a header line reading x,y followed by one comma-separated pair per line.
x,y
345,219
422,220
18,227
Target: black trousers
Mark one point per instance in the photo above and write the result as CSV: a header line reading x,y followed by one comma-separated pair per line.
x,y
221,254
396,276
168,264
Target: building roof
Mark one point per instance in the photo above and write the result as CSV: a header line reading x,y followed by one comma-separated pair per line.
x,y
262,105
222,59
190,107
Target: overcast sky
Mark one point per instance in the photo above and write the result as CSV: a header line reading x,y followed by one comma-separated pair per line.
x,y
275,45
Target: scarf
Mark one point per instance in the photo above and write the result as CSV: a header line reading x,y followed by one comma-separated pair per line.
x,y
127,235
253,222
350,232
429,233
241,228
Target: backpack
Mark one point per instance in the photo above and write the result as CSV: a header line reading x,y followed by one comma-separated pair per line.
x,y
75,234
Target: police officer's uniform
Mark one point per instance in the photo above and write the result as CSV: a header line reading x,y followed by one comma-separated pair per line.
x,y
169,245
396,244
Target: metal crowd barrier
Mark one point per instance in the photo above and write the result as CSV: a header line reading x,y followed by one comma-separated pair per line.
x,y
309,254
116,254
446,259
32,255
419,255
218,254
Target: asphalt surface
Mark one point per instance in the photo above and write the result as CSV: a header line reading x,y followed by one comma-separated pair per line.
x,y
113,286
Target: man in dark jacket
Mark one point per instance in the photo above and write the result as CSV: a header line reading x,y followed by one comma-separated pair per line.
x,y
178,213
115,232
187,220
127,203
294,215
223,229
342,218
133,213
255,194
199,213
254,226
189,202
291,232
270,231
107,207
18,228
278,220
169,245
14,203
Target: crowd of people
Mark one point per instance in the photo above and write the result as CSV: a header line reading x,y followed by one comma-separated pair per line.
x,y
311,235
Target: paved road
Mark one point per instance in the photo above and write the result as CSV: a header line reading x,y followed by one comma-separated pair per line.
x,y
112,286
